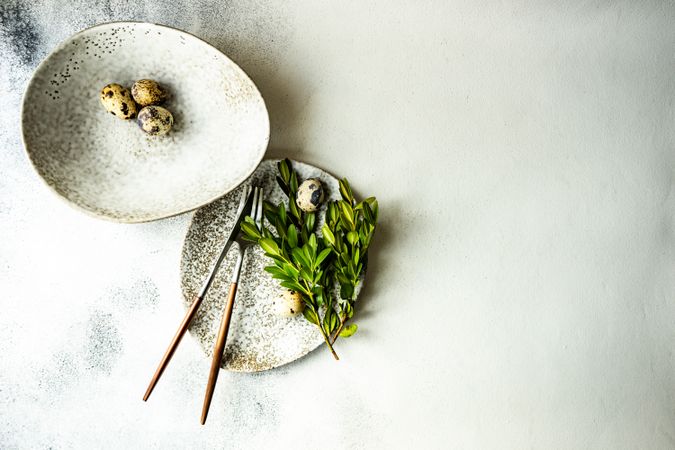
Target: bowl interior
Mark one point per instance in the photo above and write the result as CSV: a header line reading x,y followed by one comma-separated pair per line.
x,y
109,166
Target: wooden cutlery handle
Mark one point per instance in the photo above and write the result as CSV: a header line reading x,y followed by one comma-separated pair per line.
x,y
218,350
173,345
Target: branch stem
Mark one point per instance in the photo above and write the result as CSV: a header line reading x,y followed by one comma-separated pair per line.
x,y
328,343
343,320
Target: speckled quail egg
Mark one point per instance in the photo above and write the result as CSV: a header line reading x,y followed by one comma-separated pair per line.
x,y
288,303
310,195
117,101
155,120
148,92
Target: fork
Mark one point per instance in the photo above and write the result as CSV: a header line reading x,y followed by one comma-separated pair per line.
x,y
192,311
242,244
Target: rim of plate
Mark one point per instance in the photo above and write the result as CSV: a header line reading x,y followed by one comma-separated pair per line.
x,y
90,213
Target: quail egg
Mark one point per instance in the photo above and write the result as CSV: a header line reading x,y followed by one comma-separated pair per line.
x,y
310,195
148,92
288,303
117,101
155,120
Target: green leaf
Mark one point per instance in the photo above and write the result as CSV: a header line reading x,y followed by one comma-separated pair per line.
x,y
328,235
279,261
291,270
323,255
318,296
306,274
347,215
348,330
342,278
334,322
282,213
292,285
311,316
352,237
313,242
346,290
293,207
372,202
250,230
317,277
339,237
328,320
283,185
346,191
281,228
269,206
284,169
293,183
356,256
345,256
306,250
292,236
368,213
345,251
271,218
269,246
299,257
309,222
362,236
347,309
332,213
351,269
277,273
270,212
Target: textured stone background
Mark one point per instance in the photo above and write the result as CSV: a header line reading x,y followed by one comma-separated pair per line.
x,y
521,291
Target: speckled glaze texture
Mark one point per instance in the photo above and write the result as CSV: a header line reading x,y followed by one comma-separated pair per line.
x,y
258,338
112,169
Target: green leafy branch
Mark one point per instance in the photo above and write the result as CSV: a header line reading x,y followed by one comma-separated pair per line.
x,y
300,260
314,267
348,231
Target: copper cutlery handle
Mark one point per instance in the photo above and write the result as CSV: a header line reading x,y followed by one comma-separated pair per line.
x,y
218,350
174,344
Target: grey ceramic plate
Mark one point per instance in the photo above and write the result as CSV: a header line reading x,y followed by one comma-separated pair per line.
x,y
109,167
258,339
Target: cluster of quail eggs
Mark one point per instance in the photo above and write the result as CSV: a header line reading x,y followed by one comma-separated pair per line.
x,y
140,102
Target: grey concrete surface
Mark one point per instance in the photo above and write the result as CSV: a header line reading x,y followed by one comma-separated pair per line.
x,y
521,286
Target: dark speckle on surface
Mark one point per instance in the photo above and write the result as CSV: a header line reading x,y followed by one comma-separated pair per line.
x,y
104,342
18,29
316,197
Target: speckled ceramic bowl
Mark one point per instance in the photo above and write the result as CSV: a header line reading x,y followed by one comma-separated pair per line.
x,y
258,339
108,166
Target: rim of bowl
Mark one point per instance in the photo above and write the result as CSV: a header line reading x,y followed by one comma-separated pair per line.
x,y
91,213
